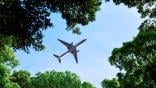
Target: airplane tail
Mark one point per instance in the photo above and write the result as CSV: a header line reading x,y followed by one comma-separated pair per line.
x,y
58,58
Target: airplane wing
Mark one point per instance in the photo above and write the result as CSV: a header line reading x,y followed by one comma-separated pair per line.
x,y
75,55
64,43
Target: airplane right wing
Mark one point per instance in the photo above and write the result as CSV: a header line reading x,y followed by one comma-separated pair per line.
x,y
75,55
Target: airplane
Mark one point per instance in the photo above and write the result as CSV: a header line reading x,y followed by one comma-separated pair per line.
x,y
71,49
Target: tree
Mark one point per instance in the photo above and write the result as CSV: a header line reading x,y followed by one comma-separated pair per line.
x,y
87,85
26,19
110,83
22,78
4,78
7,56
145,7
48,79
55,79
7,61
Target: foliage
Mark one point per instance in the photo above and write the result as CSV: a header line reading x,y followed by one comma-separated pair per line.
x,y
110,83
7,56
55,79
22,78
7,61
26,19
87,85
47,79
4,78
146,8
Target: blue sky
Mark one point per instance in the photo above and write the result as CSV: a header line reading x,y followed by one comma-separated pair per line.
x,y
113,26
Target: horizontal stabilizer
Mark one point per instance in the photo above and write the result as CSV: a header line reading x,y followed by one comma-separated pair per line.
x,y
58,58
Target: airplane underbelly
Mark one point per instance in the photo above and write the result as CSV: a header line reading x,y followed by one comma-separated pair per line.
x,y
72,51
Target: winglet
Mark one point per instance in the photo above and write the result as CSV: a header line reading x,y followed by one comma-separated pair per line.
x,y
58,58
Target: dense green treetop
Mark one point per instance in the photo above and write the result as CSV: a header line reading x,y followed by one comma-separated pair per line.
x,y
110,83
55,79
7,62
26,19
22,78
5,77
49,79
87,85
7,56
147,8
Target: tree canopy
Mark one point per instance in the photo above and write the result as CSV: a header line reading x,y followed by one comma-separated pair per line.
x,y
87,85
7,62
146,8
110,83
22,78
55,79
49,79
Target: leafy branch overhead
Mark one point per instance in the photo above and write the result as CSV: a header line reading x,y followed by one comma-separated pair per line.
x,y
26,19
147,8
